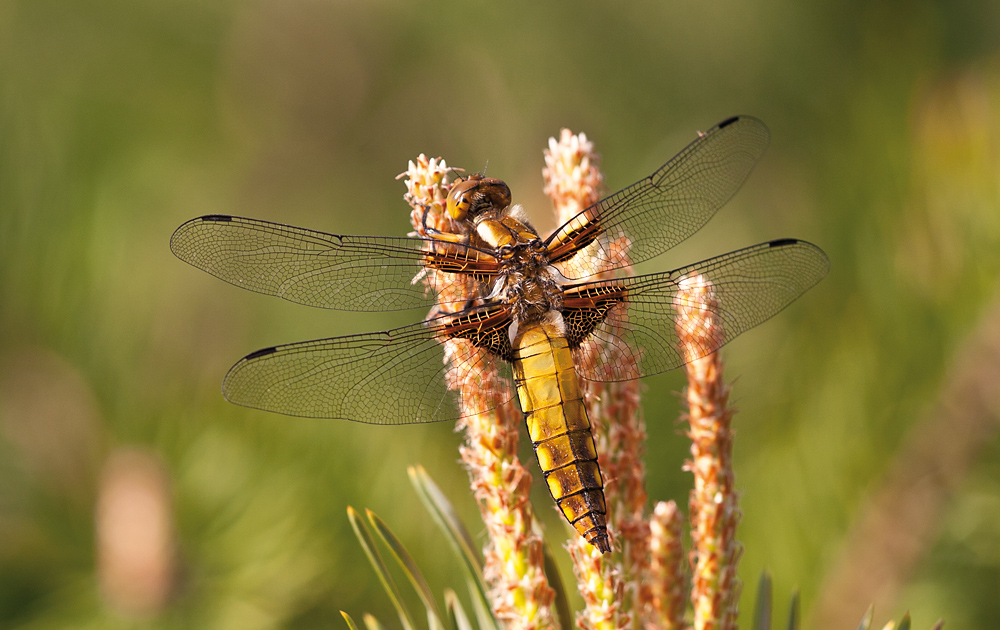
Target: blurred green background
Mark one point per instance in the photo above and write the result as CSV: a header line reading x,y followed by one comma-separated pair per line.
x,y
121,119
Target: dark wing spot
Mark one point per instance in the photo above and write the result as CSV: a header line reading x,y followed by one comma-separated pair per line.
x,y
783,242
222,218
263,352
725,123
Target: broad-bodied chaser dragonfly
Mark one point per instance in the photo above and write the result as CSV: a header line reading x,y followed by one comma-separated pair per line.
x,y
535,308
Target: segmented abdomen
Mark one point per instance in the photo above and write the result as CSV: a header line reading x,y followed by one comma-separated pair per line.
x,y
552,401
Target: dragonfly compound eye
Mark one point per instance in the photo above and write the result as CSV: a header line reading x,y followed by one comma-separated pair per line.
x,y
458,200
475,194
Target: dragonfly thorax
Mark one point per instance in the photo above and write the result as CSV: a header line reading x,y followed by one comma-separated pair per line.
x,y
530,293
527,283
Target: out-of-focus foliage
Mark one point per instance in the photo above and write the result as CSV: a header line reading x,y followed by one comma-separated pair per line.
x,y
120,119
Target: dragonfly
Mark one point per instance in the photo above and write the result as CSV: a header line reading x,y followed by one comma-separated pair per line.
x,y
534,309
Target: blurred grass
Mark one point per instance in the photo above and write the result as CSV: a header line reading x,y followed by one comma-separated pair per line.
x,y
120,120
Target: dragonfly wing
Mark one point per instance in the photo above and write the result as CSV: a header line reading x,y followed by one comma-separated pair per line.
x,y
627,328
354,273
392,377
659,211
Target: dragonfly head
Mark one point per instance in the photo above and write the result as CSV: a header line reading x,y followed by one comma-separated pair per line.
x,y
471,196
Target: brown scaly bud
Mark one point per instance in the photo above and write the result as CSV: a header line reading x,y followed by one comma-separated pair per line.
x,y
714,508
663,608
572,173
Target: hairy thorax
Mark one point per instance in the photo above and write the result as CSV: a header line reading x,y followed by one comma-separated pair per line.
x,y
527,282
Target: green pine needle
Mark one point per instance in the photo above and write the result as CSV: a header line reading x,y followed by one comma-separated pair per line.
x,y
793,612
350,622
557,585
762,609
409,567
456,614
444,515
866,621
368,544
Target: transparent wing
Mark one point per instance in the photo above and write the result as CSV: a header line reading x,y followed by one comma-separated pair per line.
x,y
639,317
352,273
659,211
392,377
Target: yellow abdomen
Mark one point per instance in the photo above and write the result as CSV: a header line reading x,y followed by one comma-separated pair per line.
x,y
552,401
